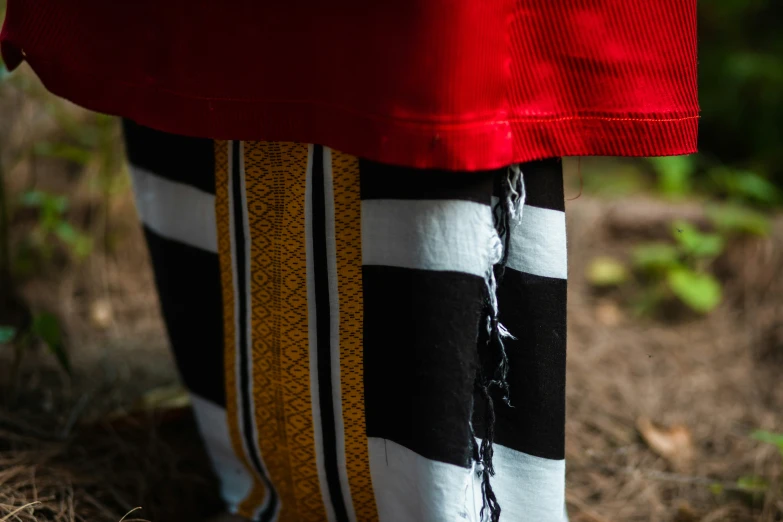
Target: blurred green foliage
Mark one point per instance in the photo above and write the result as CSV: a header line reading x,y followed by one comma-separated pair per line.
x,y
46,327
51,227
734,220
86,143
678,177
755,486
741,88
606,272
776,439
680,269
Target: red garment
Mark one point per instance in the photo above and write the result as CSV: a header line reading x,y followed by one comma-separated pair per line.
x,y
457,84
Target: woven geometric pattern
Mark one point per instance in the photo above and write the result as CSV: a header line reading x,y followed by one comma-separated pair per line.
x,y
348,231
275,176
223,217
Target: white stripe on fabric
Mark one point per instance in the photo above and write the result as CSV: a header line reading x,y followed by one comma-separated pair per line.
x,y
334,316
441,235
235,479
312,327
538,243
237,352
411,487
175,210
528,487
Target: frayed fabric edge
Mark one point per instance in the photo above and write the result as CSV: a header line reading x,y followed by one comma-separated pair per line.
x,y
506,214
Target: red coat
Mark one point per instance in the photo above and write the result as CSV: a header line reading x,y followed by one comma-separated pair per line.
x,y
457,84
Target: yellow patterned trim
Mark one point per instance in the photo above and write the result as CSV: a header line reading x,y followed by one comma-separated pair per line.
x,y
275,178
249,506
348,232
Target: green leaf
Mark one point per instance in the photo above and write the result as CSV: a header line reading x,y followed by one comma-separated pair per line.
x,y
649,300
776,439
655,257
66,232
64,151
696,243
745,185
756,188
32,198
606,272
82,246
58,204
674,174
700,292
753,484
613,180
47,328
49,202
716,488
7,334
735,219
52,207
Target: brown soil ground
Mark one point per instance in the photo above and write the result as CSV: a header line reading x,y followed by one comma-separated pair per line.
x,y
706,382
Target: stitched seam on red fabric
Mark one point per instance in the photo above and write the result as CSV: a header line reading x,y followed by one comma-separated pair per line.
x,y
438,125
545,119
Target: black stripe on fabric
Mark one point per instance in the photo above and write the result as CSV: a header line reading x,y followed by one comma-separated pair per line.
x,y
323,322
245,382
381,181
533,308
420,331
188,283
543,183
177,158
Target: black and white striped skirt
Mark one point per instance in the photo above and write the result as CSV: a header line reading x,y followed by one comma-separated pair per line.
x,y
363,342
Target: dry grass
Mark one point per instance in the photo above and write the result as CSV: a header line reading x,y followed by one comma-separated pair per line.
x,y
101,473
717,376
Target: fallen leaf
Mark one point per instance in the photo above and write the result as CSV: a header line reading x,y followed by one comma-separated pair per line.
x,y
606,272
164,402
163,398
608,313
685,513
101,313
675,444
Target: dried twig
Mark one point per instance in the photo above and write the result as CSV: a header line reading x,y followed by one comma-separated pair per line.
x,y
19,510
129,512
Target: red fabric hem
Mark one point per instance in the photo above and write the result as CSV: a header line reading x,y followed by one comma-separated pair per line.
x,y
53,43
474,146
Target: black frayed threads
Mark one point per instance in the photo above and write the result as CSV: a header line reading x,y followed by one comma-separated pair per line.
x,y
492,352
486,468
